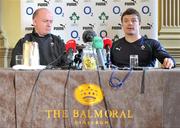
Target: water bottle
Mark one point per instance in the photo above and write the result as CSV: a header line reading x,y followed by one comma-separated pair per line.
x,y
89,58
34,54
31,53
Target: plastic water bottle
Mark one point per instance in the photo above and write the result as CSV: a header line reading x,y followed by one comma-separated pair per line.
x,y
31,53
89,58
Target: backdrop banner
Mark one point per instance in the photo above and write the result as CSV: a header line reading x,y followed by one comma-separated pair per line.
x,y
73,17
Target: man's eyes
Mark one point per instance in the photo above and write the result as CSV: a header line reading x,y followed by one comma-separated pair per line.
x,y
46,21
133,20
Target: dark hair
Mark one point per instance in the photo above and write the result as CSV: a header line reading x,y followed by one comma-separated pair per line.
x,y
131,11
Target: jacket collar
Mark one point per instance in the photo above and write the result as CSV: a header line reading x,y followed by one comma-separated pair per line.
x,y
37,35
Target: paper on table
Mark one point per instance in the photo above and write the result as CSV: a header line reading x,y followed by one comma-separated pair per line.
x,y
25,67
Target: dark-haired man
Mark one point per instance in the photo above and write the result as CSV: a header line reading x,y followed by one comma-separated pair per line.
x,y
148,50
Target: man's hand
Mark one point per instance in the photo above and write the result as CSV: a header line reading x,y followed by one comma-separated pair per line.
x,y
168,63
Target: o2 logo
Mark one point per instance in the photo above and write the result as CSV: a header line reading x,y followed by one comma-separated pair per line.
x,y
75,35
116,10
103,33
29,10
88,10
146,10
59,11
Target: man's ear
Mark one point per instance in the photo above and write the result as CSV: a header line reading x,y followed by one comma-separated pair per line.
x,y
34,22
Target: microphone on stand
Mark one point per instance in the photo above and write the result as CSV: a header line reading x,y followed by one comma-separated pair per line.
x,y
88,36
88,55
107,46
70,49
98,45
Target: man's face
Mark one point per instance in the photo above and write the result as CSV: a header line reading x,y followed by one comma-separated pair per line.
x,y
131,25
43,22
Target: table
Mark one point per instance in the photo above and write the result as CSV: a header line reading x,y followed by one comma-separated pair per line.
x,y
50,98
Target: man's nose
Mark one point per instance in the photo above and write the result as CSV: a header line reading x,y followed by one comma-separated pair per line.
x,y
130,22
49,24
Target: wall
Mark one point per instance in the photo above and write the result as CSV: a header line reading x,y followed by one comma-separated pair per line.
x,y
169,27
9,29
10,21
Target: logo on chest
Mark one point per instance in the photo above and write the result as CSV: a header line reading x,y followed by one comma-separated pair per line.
x,y
142,47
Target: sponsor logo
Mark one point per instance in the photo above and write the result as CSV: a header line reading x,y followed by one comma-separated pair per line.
x,y
103,33
29,28
47,1
88,94
59,11
42,4
61,27
75,34
74,3
132,3
88,10
146,27
103,3
118,27
146,10
29,11
103,17
91,26
74,17
116,10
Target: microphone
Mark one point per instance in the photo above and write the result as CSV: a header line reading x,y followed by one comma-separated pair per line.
x,y
107,46
78,59
98,45
70,49
88,36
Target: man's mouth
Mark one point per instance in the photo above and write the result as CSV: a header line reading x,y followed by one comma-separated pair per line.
x,y
130,28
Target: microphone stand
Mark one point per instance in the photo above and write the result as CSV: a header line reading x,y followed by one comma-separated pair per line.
x,y
70,59
108,60
78,59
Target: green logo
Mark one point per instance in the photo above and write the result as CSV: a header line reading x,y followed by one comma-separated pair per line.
x,y
103,17
74,17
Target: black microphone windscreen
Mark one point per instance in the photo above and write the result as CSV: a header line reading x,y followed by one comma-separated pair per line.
x,y
88,36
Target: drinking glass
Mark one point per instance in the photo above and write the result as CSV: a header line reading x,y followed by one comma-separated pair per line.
x,y
133,61
19,59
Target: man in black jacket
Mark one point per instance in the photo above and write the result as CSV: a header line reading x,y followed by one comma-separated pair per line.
x,y
148,50
51,47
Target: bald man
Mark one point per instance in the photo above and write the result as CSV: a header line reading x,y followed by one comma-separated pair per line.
x,y
51,47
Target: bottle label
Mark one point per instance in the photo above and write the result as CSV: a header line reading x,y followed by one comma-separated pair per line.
x,y
89,62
